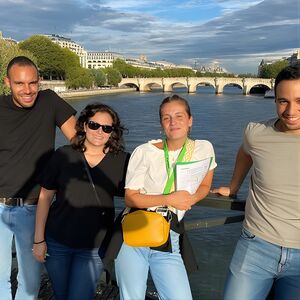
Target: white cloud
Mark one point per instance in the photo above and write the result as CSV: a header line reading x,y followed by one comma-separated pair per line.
x,y
229,6
245,36
129,4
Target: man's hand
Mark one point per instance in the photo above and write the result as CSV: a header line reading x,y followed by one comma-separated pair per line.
x,y
222,190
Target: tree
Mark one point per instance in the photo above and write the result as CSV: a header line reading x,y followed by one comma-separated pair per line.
x,y
75,75
8,51
121,66
178,72
213,74
113,76
70,59
127,70
271,70
79,77
49,56
99,77
247,75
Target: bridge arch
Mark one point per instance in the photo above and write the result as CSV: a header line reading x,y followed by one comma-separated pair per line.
x,y
221,82
263,87
252,82
196,81
168,83
148,86
259,89
234,85
170,87
205,85
130,85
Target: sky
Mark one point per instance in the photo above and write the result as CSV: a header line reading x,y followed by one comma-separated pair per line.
x,y
234,34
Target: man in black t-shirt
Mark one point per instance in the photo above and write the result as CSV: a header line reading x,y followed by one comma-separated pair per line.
x,y
28,120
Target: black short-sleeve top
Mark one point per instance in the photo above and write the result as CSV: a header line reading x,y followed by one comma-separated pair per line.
x,y
76,219
27,138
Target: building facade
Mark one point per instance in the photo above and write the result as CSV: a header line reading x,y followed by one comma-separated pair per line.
x,y
71,45
101,59
295,57
9,40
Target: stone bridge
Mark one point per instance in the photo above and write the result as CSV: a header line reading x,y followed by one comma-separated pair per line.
x,y
191,83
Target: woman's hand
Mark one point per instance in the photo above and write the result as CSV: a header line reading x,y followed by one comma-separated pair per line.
x,y
181,200
39,252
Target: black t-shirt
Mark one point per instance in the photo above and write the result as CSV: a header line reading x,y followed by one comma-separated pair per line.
x,y
76,219
27,139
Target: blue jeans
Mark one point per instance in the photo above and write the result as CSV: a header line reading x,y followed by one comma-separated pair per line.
x,y
74,273
256,264
167,271
18,222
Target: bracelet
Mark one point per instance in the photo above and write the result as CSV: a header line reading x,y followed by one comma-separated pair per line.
x,y
36,243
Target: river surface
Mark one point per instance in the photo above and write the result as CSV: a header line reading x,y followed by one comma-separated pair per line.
x,y
220,119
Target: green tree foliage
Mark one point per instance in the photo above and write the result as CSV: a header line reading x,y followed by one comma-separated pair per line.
x,y
7,52
49,56
178,72
247,75
70,59
99,77
271,70
113,76
127,70
75,76
78,78
213,74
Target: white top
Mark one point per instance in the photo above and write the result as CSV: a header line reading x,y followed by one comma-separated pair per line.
x,y
147,170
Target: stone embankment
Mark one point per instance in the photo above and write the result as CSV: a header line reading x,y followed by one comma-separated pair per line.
x,y
92,92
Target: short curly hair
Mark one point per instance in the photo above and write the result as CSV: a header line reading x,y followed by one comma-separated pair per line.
x,y
115,142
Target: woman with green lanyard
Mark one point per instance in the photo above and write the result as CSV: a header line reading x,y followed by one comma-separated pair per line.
x,y
147,186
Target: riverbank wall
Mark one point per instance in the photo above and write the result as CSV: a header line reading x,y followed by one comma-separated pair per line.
x,y
92,92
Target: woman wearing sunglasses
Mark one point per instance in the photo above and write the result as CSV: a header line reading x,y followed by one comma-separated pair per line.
x,y
84,177
149,184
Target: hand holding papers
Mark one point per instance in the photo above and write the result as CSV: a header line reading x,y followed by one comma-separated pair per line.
x,y
189,175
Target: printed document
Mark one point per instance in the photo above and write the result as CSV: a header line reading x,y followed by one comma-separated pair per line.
x,y
189,175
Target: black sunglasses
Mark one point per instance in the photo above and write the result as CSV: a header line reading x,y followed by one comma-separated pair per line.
x,y
94,126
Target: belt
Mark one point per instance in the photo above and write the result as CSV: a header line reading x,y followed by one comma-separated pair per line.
x,y
10,201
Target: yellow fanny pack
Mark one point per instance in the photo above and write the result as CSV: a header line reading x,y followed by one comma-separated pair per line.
x,y
143,228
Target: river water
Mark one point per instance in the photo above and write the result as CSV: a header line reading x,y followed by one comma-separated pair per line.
x,y
217,118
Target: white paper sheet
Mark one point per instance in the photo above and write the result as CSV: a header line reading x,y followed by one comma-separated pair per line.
x,y
189,175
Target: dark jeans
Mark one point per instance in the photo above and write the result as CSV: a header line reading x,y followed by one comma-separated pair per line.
x,y
74,273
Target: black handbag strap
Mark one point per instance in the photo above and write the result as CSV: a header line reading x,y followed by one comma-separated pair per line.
x,y
90,178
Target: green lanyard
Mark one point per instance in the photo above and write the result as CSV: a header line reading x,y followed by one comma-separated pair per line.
x,y
170,170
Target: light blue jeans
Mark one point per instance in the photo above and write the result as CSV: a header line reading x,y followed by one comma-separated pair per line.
x,y
18,222
256,264
167,271
74,273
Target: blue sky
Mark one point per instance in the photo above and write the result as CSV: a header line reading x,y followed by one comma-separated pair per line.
x,y
235,34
